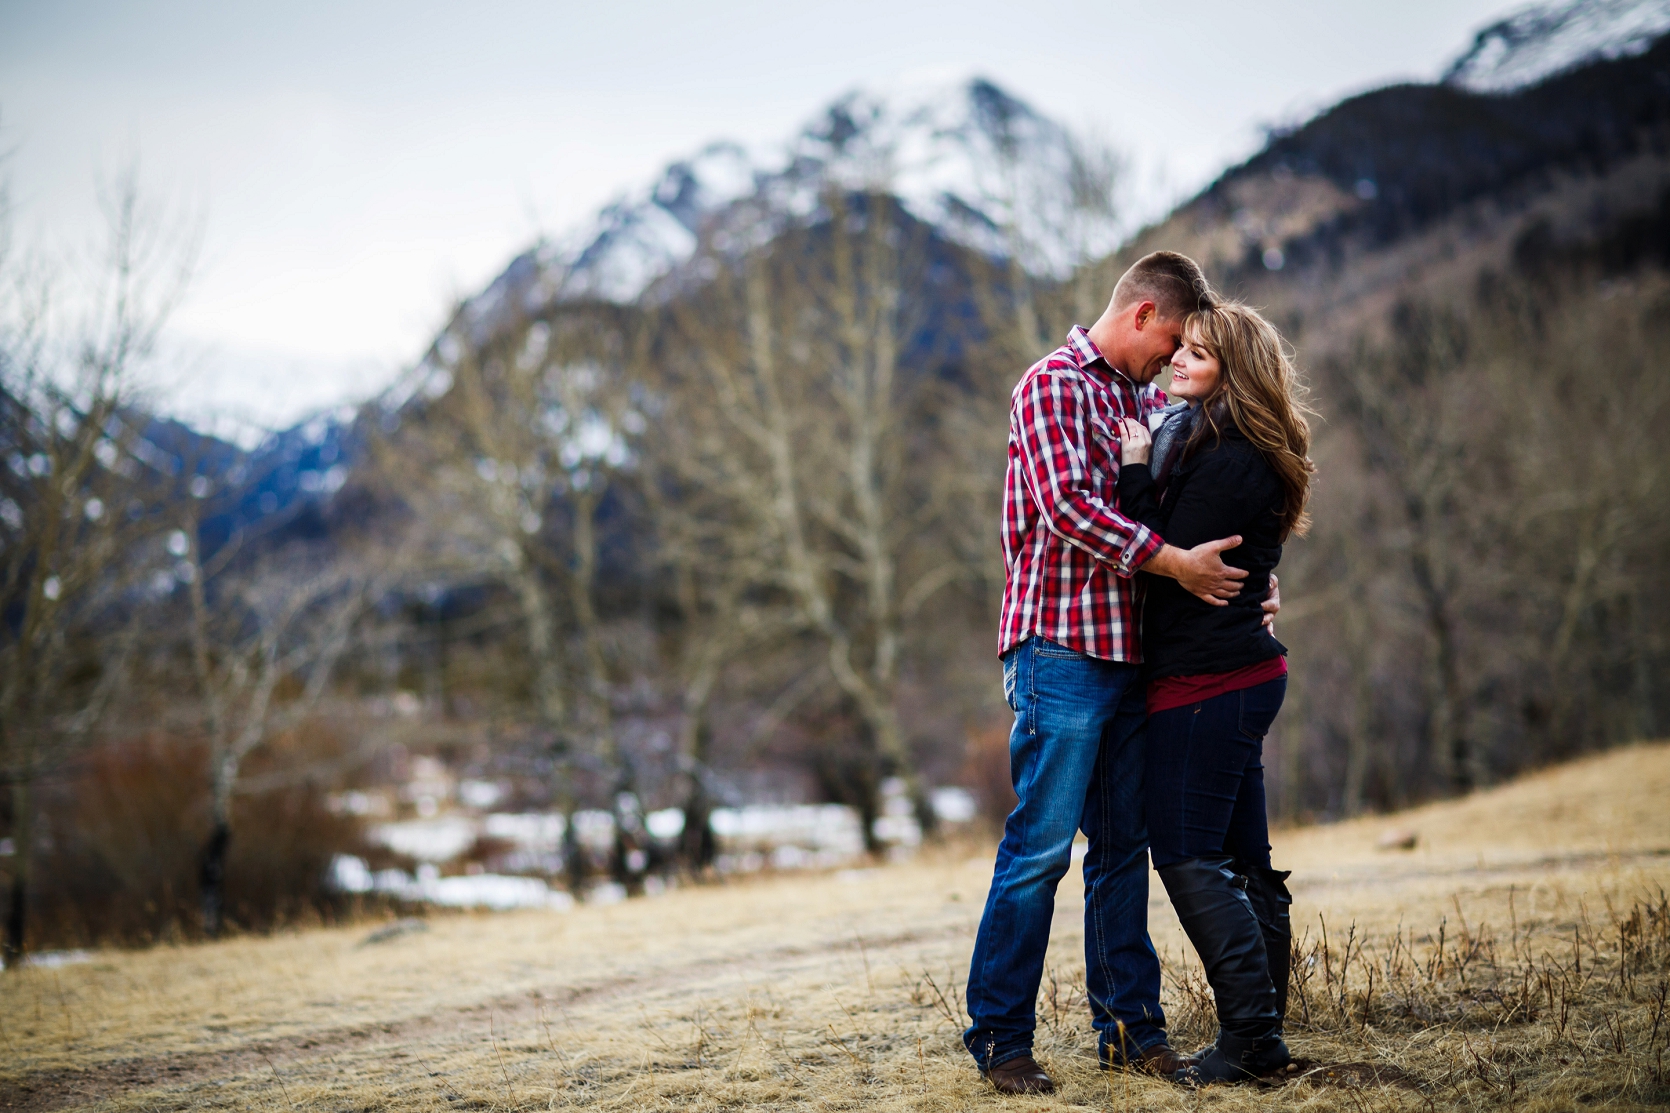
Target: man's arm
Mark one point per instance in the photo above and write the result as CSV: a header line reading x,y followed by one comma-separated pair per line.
x,y
1051,421
1052,424
1200,570
1212,501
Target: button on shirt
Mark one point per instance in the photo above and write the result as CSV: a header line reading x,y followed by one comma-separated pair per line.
x,y
1069,554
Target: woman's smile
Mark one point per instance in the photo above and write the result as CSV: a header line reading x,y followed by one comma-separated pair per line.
x,y
1194,373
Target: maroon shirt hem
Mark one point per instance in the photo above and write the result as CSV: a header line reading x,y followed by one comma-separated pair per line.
x,y
1180,691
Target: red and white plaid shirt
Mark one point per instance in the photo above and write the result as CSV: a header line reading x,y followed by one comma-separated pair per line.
x,y
1069,553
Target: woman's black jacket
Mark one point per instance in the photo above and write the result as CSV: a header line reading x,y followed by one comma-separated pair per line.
x,y
1224,487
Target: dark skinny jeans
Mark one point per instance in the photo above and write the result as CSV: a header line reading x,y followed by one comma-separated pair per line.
x,y
1204,777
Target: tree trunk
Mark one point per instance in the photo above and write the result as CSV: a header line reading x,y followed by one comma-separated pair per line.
x,y
211,863
576,869
1452,751
542,647
697,847
1451,746
12,949
1359,730
211,878
1646,698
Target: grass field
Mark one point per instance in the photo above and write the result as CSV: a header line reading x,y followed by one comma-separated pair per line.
x,y
1517,958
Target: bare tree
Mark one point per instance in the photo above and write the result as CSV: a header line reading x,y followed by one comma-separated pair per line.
x,y
1416,423
799,350
265,641
79,497
714,567
518,457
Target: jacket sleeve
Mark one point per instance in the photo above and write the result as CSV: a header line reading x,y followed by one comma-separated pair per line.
x,y
1139,497
1051,422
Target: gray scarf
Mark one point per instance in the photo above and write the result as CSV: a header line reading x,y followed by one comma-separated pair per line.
x,y
1176,421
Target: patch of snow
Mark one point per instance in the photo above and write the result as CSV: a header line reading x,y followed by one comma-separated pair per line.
x,y
668,823
766,827
530,830
491,890
428,840
480,794
609,892
481,890
1549,39
51,960
487,890
595,829
953,805
349,874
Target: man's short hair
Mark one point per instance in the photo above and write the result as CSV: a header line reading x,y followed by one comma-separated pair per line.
x,y
1173,282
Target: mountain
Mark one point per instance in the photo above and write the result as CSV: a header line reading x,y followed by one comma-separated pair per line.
x,y
1550,39
983,167
1408,161
1538,101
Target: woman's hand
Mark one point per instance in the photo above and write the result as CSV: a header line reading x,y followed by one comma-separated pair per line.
x,y
1133,442
1272,604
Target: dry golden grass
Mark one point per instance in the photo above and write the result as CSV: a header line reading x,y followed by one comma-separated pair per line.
x,y
1480,970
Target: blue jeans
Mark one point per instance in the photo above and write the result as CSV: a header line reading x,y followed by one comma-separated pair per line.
x,y
1075,758
1205,793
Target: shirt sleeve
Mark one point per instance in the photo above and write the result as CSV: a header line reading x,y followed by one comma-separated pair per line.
x,y
1052,425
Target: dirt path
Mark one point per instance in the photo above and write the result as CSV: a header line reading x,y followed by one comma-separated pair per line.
x,y
838,989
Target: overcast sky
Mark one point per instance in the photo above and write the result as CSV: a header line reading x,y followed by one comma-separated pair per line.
x,y
356,165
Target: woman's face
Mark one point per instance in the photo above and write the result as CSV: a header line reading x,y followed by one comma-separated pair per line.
x,y
1194,373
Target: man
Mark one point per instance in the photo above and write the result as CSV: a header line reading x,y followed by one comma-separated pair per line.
x,y
1068,639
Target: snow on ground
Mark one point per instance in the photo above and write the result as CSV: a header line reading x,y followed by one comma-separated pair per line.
x,y
751,838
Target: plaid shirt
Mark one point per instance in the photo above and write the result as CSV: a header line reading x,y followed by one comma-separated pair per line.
x,y
1069,554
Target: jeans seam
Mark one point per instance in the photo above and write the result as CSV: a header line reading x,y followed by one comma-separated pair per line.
x,y
1099,786
1031,689
1000,882
1183,785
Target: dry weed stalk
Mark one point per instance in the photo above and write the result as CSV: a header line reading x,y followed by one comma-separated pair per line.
x,y
1574,1011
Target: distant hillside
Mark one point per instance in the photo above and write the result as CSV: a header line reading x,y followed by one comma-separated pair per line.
x,y
1391,164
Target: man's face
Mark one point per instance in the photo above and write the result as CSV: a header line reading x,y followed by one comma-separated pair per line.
x,y
1153,340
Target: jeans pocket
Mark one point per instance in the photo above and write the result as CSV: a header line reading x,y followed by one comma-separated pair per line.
x,y
1045,648
1009,682
1259,706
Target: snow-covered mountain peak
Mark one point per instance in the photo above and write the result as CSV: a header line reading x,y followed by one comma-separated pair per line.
x,y
1548,39
980,165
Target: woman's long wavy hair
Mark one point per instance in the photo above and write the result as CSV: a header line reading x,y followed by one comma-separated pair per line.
x,y
1259,390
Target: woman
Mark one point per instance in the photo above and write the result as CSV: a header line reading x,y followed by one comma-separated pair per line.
x,y
1230,460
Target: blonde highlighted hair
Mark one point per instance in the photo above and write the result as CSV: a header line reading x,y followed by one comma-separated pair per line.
x,y
1259,390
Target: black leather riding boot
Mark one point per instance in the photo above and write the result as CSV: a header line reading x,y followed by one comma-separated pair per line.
x,y
1267,892
1213,907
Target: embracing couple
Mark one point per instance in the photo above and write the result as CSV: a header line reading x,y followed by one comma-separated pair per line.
x,y
1140,540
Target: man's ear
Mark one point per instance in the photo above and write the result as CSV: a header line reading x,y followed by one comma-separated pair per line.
x,y
1144,316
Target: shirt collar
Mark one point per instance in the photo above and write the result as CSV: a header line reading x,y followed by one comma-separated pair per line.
x,y
1088,355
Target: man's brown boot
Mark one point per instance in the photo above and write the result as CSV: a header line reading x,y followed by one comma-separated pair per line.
x,y
1020,1075
1161,1059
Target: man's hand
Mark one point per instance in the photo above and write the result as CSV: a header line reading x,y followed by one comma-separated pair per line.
x,y
1201,570
1272,605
